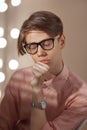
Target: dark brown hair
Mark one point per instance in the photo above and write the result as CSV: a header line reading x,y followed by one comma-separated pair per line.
x,y
41,20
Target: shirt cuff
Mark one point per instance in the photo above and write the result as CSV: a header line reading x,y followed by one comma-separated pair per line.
x,y
49,126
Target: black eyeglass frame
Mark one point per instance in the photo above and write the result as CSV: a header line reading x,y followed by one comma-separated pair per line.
x,y
38,44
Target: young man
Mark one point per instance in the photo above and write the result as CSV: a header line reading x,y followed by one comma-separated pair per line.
x,y
47,95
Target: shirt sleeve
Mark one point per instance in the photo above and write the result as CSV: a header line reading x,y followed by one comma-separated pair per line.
x,y
49,126
8,112
74,113
10,104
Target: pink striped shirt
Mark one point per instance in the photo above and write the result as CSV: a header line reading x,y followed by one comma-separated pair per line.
x,y
65,95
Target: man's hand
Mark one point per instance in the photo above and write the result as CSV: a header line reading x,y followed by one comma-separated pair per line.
x,y
38,116
39,69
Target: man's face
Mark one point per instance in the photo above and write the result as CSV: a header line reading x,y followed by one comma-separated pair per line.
x,y
50,57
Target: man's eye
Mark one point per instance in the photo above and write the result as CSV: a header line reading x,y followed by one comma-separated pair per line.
x,y
47,43
32,46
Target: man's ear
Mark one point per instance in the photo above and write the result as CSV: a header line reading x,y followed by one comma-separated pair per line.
x,y
62,41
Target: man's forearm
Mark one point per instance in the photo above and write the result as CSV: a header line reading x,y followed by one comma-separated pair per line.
x,y
38,116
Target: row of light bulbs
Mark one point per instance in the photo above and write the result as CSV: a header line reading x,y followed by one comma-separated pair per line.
x,y
4,5
13,65
14,33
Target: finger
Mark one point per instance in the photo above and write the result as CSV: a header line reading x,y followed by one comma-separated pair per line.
x,y
44,65
38,72
40,67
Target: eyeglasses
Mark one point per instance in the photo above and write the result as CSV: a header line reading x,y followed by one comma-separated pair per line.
x,y
46,44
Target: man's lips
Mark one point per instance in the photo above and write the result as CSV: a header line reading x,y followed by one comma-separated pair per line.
x,y
45,61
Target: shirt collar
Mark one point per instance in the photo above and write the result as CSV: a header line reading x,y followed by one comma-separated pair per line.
x,y
63,76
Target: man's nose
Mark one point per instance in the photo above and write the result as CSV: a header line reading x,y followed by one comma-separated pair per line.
x,y
41,51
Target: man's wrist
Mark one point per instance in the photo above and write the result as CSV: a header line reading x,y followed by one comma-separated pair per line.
x,y
39,105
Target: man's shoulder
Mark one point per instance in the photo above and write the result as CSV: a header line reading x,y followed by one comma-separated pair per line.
x,y
75,79
20,77
22,72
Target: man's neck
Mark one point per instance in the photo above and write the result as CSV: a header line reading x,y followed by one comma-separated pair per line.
x,y
57,71
59,68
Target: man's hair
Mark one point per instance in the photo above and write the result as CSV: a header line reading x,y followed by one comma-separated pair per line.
x,y
43,21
